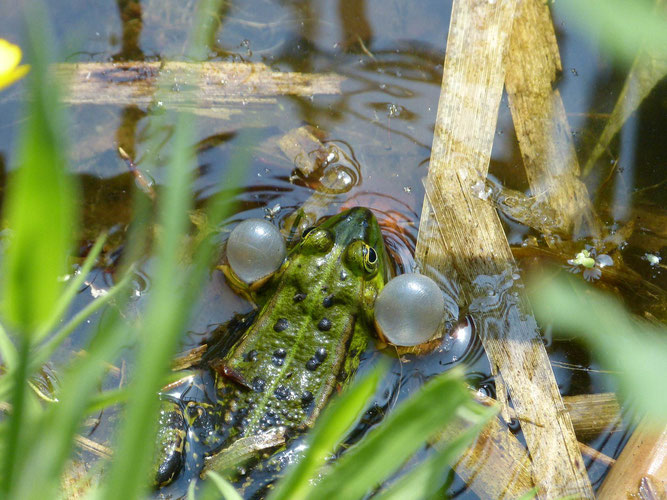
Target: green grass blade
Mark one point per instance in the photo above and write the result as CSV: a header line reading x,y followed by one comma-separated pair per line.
x,y
17,422
60,422
427,478
620,27
166,315
8,350
42,354
50,346
40,196
163,322
636,350
104,399
388,446
224,487
39,210
72,288
330,429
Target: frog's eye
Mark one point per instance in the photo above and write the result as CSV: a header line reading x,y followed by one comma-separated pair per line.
x,y
361,258
372,256
317,240
307,231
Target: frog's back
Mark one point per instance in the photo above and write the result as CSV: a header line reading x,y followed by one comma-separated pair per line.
x,y
308,336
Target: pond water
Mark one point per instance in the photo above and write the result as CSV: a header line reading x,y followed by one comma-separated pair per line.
x,y
390,56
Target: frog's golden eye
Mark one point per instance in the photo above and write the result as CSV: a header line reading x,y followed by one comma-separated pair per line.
x,y
370,259
317,240
361,258
372,256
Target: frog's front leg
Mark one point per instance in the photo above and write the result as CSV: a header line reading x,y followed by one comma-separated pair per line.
x,y
168,456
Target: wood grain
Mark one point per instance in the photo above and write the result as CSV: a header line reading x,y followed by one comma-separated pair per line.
x,y
641,464
207,87
461,236
541,126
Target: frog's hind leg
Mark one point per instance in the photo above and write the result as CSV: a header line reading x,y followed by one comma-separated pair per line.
x,y
168,461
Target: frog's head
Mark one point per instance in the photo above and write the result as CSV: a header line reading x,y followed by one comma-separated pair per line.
x,y
354,237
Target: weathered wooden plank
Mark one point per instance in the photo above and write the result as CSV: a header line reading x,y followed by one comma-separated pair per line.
x,y
641,464
212,85
461,236
542,130
592,414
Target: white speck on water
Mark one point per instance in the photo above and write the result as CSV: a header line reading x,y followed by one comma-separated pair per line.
x,y
652,259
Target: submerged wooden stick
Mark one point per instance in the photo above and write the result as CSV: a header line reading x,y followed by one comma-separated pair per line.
x,y
461,236
641,464
540,122
194,85
592,414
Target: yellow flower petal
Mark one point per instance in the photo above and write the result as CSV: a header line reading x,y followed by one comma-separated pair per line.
x,y
10,77
10,57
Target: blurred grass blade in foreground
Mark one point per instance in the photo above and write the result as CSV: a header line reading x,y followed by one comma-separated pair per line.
x,y
39,208
621,27
623,343
330,429
403,432
427,478
40,200
171,295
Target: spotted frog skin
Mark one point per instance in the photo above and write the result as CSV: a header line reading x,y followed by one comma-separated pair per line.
x,y
304,343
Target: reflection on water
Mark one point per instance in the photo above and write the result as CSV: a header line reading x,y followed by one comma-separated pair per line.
x,y
381,124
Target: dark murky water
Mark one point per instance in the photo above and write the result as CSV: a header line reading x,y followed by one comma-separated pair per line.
x,y
390,53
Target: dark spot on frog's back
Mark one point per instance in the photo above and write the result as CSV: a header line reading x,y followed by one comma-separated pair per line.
x,y
258,384
312,364
278,358
250,356
299,297
324,324
328,301
270,419
282,392
306,399
281,325
321,354
280,353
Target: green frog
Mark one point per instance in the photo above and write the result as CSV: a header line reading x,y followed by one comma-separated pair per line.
x,y
314,319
